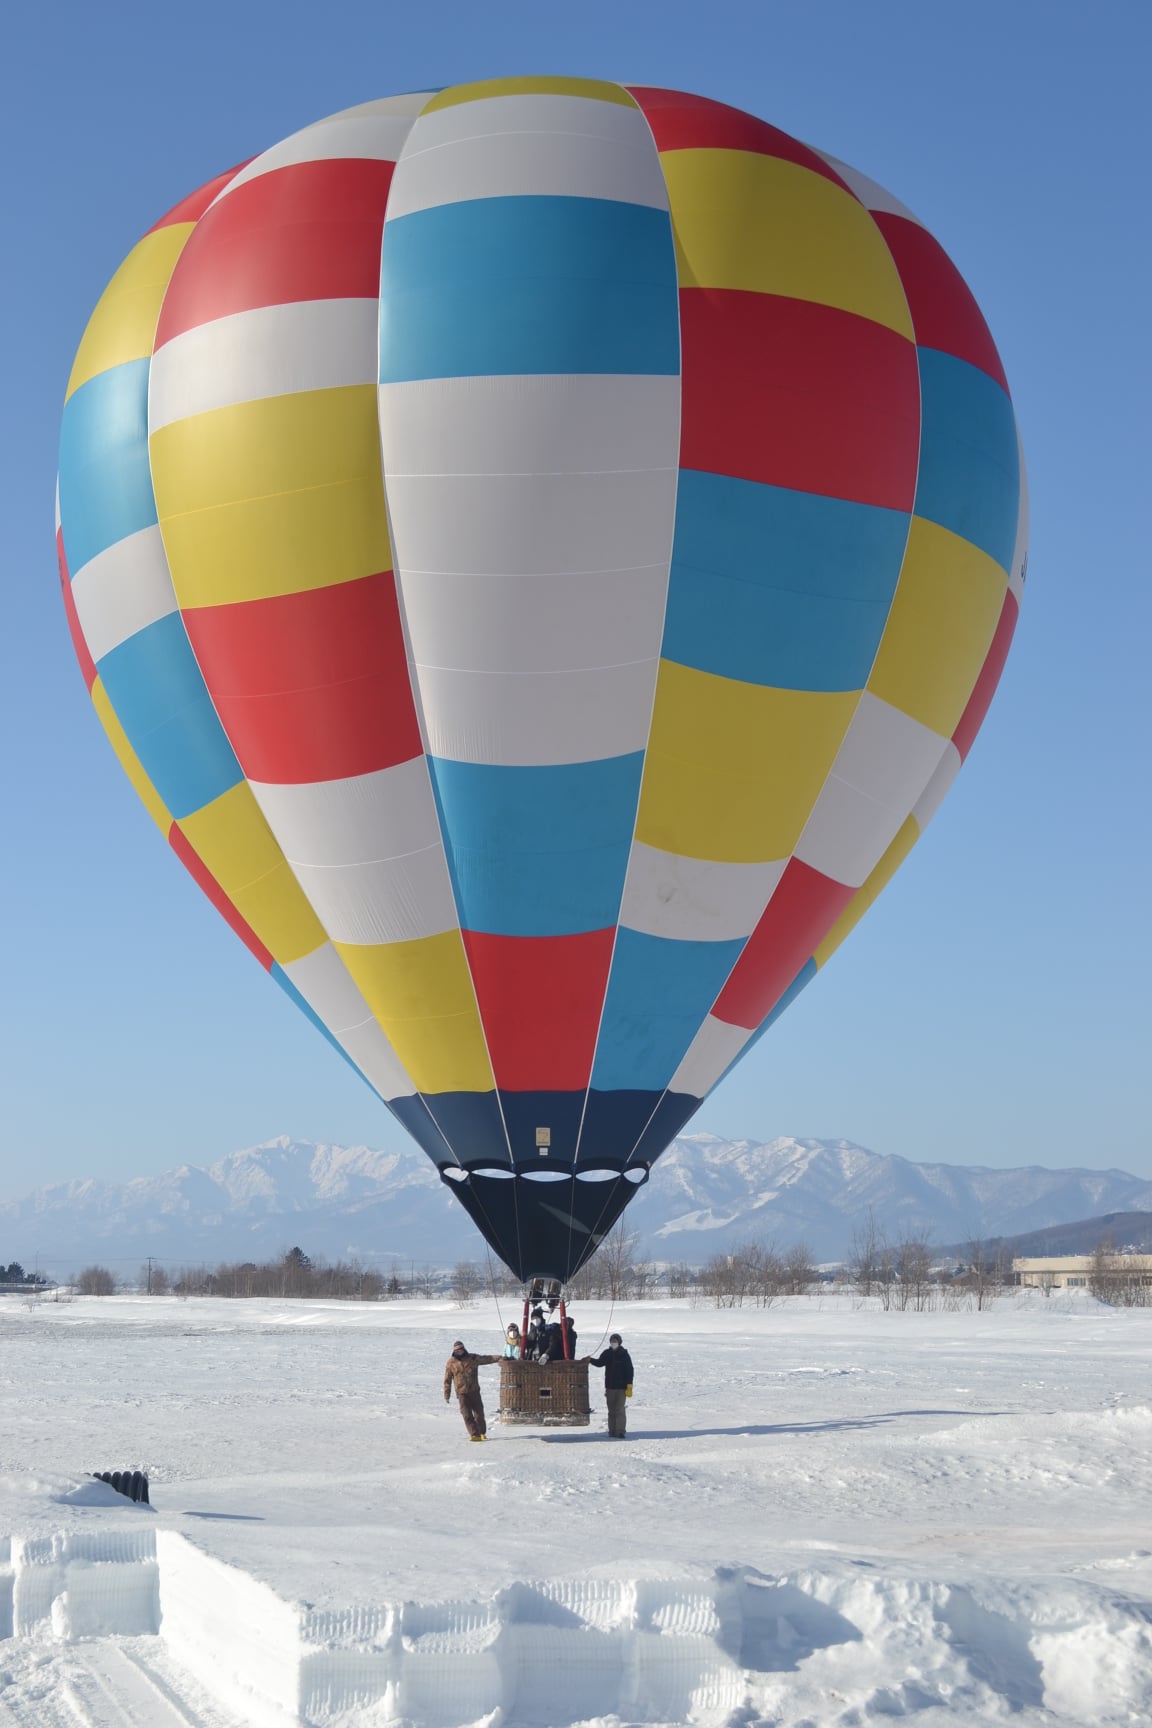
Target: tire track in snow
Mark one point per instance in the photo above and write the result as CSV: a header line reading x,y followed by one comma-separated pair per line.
x,y
110,1684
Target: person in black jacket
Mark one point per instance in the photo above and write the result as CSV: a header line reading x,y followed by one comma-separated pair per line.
x,y
617,1366
536,1334
552,1349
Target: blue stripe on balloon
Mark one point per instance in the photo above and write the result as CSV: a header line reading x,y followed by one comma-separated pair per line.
x,y
524,1112
105,481
470,1123
659,993
158,695
969,478
776,587
671,1114
538,851
614,1122
412,1113
498,286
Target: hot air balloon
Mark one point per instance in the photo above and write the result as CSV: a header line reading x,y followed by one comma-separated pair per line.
x,y
541,550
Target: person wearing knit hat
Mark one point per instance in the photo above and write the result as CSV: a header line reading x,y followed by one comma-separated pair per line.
x,y
460,1372
617,1366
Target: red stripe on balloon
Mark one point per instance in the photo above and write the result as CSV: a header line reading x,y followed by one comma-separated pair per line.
x,y
191,209
797,918
310,686
980,700
310,231
540,999
944,312
205,880
682,122
798,395
80,647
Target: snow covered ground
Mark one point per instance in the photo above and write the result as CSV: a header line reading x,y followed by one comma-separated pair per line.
x,y
824,1517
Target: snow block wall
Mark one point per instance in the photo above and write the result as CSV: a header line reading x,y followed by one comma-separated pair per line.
x,y
238,1637
705,1650
83,1584
649,1652
7,1578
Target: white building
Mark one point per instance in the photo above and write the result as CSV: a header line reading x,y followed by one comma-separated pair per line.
x,y
1074,1271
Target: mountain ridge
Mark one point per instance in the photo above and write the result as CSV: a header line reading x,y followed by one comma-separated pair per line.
x,y
385,1207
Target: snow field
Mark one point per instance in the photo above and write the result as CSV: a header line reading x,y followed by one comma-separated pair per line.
x,y
824,1517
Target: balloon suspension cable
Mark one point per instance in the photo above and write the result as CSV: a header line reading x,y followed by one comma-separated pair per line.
x,y
606,1334
492,1288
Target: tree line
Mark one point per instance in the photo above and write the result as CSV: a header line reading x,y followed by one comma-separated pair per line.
x,y
293,1273
905,1274
1121,1280
901,1271
14,1274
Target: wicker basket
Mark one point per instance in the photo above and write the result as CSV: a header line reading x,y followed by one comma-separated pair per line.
x,y
545,1394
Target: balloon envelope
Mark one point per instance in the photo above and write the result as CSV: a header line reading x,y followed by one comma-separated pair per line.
x,y
541,551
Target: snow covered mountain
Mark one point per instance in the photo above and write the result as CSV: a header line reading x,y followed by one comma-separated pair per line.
x,y
705,1196
714,1193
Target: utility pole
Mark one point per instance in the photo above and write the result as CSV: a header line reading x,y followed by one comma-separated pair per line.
x,y
149,1274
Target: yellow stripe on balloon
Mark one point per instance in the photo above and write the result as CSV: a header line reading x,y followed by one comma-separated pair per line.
x,y
743,220
943,618
593,89
276,496
129,760
124,323
733,769
233,839
864,897
421,994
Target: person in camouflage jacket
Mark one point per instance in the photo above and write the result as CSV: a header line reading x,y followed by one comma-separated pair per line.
x,y
460,1371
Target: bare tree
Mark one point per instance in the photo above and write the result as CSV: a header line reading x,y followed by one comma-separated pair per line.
x,y
612,1271
583,1285
886,1274
986,1274
754,1272
681,1279
1102,1276
724,1279
867,1242
1118,1278
798,1271
466,1282
617,1253
95,1281
914,1266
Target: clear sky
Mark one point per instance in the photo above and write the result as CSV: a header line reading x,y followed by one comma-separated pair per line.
x,y
993,1007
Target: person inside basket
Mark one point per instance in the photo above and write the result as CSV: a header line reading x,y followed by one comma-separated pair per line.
x,y
536,1334
512,1348
460,1371
553,1347
617,1366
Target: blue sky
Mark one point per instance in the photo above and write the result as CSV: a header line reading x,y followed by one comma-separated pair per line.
x,y
993,1008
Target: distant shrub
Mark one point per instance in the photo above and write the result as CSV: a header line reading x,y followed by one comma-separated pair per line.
x,y
755,1272
95,1281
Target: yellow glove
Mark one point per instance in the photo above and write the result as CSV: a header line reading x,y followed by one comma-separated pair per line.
x,y
627,1391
